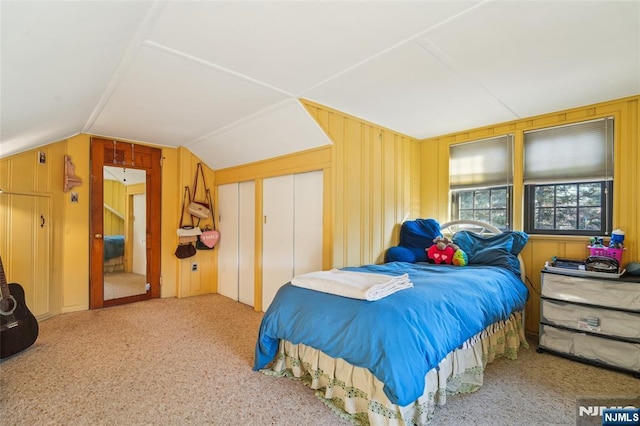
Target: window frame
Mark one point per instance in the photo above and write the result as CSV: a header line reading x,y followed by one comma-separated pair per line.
x,y
606,215
455,203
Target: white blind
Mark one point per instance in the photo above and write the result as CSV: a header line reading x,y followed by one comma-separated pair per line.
x,y
573,153
483,163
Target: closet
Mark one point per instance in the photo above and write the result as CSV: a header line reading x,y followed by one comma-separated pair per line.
x,y
291,229
291,216
236,248
25,241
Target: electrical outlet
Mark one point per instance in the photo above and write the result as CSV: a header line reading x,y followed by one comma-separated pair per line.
x,y
194,266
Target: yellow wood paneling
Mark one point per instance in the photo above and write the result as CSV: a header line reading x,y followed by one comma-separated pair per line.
x,y
376,185
22,173
24,176
309,160
25,250
69,275
171,198
202,281
75,247
431,176
114,197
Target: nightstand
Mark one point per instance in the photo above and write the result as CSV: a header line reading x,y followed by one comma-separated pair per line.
x,y
591,319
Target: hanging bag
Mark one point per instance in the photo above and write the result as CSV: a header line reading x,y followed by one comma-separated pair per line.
x,y
199,209
208,239
187,234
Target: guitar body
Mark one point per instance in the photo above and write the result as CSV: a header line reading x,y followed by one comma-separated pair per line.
x,y
18,326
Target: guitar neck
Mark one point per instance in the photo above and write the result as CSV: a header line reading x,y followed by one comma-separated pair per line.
x,y
4,287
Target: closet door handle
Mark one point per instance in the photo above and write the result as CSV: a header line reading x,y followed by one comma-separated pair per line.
x,y
41,221
98,236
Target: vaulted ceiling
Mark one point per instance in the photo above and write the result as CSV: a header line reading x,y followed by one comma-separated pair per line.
x,y
225,78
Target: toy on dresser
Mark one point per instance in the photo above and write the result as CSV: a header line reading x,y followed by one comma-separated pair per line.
x,y
606,258
617,239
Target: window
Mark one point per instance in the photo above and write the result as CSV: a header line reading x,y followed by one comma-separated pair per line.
x,y
480,180
568,173
575,208
490,205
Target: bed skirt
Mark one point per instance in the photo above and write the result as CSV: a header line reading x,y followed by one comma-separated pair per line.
x,y
115,264
355,394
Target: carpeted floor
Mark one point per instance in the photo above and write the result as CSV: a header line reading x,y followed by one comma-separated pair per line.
x,y
123,284
188,361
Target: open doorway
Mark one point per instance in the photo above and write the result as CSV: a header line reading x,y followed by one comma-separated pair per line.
x,y
125,222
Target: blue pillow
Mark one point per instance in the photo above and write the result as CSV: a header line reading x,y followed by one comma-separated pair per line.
x,y
496,250
415,237
399,254
419,233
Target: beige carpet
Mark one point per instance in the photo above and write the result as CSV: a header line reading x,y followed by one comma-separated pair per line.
x,y
123,284
188,362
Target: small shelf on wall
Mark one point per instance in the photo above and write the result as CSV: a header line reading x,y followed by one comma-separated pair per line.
x,y
70,178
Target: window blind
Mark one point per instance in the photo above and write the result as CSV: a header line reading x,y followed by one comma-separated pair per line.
x,y
572,153
482,163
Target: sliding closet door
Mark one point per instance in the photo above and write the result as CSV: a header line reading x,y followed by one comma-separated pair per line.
x,y
277,235
236,248
292,229
227,247
246,242
307,232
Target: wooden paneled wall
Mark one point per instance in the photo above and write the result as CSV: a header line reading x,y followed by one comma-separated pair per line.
x,y
38,173
376,185
435,194
203,280
114,197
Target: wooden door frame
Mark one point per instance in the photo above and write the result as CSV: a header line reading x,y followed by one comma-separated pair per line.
x,y
131,156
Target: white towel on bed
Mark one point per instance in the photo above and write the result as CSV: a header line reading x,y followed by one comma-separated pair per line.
x,y
356,285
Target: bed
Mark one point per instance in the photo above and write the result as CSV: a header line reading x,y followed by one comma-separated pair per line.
x,y
393,360
113,253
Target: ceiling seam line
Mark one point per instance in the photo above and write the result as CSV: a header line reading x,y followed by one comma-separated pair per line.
x,y
390,48
214,66
132,49
434,52
273,107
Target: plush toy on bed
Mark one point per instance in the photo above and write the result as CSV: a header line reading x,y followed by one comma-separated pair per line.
x,y
460,258
444,251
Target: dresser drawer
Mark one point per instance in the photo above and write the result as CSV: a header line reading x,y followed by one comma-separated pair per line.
x,y
606,293
591,348
595,320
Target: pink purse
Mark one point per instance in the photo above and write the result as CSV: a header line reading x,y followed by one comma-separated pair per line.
x,y
209,238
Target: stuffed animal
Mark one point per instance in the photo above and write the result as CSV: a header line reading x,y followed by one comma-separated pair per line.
x,y
444,251
460,258
441,251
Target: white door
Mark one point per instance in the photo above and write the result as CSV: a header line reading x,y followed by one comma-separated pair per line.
x,y
246,242
140,234
277,235
292,230
227,210
307,233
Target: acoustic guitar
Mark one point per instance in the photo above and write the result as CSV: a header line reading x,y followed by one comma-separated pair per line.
x,y
18,326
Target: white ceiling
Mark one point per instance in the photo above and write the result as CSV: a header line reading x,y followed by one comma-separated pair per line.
x,y
224,79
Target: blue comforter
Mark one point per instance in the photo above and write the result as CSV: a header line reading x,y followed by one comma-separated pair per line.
x,y
401,337
113,246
